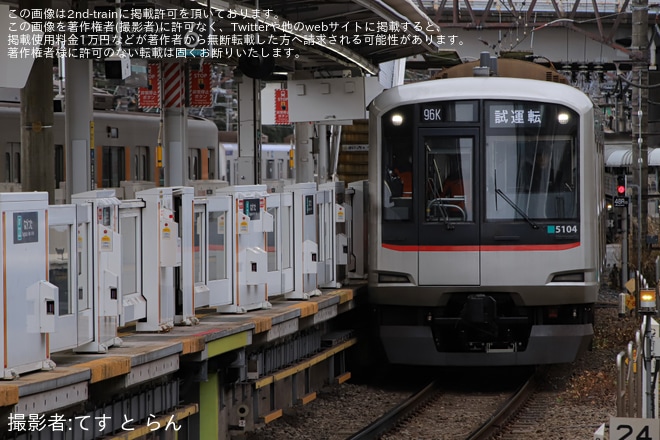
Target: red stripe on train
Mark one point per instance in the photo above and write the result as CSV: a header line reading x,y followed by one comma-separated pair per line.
x,y
488,248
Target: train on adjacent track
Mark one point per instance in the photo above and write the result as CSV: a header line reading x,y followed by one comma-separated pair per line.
x,y
487,218
125,147
126,151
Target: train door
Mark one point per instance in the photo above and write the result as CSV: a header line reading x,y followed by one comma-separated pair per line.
x,y
449,227
141,164
114,166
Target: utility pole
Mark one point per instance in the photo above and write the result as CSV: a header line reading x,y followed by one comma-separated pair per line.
x,y
639,115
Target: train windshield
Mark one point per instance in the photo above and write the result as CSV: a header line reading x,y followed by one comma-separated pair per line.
x,y
531,156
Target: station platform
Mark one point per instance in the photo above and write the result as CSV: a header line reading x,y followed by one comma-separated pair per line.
x,y
152,379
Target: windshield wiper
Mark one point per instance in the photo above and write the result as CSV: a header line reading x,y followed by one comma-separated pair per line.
x,y
516,208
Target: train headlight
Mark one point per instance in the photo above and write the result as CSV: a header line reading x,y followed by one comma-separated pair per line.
x,y
647,302
562,118
397,119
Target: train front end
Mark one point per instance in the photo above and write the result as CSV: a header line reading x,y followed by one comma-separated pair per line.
x,y
484,235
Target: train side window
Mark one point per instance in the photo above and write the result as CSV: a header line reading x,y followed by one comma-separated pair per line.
x,y
398,185
211,163
136,167
399,173
194,164
13,162
144,162
17,167
7,176
270,164
141,170
280,168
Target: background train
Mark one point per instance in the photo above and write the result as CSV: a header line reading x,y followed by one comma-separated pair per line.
x,y
125,152
277,167
125,148
485,244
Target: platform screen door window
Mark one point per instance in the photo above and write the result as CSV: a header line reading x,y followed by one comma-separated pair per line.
x,y
83,265
199,248
129,254
271,244
217,252
286,222
59,267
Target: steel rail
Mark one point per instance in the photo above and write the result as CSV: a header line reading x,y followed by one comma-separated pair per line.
x,y
507,410
388,420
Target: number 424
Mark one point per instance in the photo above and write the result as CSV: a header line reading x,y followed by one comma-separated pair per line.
x,y
628,428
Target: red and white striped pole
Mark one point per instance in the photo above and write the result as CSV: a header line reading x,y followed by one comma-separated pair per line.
x,y
174,110
173,85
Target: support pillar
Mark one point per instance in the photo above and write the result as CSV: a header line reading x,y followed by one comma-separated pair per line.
x,y
209,406
37,119
249,131
304,152
175,125
79,115
324,154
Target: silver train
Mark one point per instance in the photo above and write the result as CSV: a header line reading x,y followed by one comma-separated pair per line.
x,y
486,225
277,166
126,151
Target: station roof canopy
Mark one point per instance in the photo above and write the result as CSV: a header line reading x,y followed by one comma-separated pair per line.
x,y
621,156
327,34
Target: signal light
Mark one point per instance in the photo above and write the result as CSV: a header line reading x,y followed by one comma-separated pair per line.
x,y
621,185
647,304
647,298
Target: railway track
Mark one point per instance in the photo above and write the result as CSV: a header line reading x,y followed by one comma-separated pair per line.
x,y
454,412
